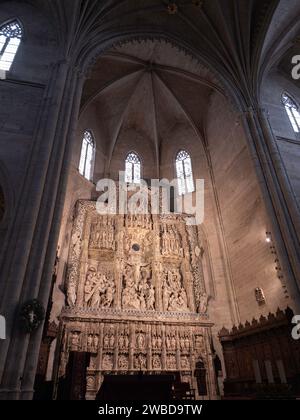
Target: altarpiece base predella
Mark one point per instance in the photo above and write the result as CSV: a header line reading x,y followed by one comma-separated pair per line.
x,y
136,298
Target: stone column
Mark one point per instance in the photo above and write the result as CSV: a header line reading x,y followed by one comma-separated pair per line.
x,y
84,260
26,267
131,345
164,351
149,347
116,349
119,269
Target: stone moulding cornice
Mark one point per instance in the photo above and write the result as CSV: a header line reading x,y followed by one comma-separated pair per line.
x,y
95,315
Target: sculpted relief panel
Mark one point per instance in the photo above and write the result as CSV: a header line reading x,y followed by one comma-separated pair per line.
x,y
174,294
99,289
136,297
102,234
138,262
137,288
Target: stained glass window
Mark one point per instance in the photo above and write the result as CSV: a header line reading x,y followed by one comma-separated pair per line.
x,y
292,110
87,156
10,39
133,169
184,173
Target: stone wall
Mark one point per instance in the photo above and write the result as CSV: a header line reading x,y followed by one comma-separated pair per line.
x,y
243,214
275,84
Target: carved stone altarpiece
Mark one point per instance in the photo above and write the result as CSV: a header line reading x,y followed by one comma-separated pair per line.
x,y
136,297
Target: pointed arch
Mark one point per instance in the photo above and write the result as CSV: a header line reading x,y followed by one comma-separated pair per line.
x,y
184,172
133,168
87,156
11,34
292,109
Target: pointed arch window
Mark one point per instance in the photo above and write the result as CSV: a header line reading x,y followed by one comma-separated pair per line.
x,y
133,168
10,39
292,109
184,172
87,157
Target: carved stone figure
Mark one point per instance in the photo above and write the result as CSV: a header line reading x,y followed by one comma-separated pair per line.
x,y
103,234
99,290
173,342
156,362
140,341
76,242
123,362
185,363
106,341
96,341
127,242
126,341
171,362
138,292
112,341
151,298
107,362
87,291
108,297
75,338
121,342
159,342
93,362
174,295
154,342
203,303
187,343
171,241
90,340
71,294
140,362
199,341
182,343
130,298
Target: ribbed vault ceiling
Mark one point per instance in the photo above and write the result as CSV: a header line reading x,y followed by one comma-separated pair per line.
x,y
149,87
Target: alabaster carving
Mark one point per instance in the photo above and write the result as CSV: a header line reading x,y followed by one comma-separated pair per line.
x,y
140,361
171,362
185,363
99,289
138,291
75,339
203,303
140,341
156,362
123,362
174,294
136,295
107,362
171,244
102,234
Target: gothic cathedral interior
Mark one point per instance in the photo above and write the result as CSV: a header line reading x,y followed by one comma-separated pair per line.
x,y
149,199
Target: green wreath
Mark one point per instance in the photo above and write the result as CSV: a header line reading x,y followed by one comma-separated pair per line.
x,y
32,315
